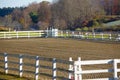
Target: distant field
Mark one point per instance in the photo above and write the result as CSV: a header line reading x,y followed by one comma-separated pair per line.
x,y
114,23
62,48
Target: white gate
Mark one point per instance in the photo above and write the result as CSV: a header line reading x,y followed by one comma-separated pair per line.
x,y
52,33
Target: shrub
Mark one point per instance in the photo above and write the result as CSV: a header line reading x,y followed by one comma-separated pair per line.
x,y
78,29
85,29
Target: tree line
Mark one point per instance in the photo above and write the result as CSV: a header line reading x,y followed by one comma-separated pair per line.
x,y
61,14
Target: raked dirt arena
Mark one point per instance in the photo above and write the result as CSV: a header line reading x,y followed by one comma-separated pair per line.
x,y
62,48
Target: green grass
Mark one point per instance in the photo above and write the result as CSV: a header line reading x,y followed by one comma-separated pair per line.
x,y
90,36
40,34
4,76
97,36
21,34
114,23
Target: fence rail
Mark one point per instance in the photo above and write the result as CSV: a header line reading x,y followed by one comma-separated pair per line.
x,y
22,34
61,34
36,65
76,69
90,35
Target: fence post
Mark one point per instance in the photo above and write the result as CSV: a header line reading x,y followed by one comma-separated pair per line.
x,y
4,35
115,69
94,35
28,34
110,36
73,34
118,35
17,34
37,68
54,69
79,34
6,62
67,34
61,33
77,70
20,65
40,33
86,36
9,34
70,76
102,36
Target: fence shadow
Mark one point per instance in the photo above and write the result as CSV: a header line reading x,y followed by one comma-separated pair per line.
x,y
9,76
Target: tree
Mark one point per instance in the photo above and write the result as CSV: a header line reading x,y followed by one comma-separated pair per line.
x,y
116,7
62,14
44,13
79,10
95,25
33,7
6,11
34,17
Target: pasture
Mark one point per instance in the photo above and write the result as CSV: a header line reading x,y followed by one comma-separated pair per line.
x,y
62,49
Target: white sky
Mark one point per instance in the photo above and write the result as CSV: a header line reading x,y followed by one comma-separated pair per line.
x,y
18,3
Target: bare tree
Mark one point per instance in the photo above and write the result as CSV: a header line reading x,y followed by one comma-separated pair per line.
x,y
44,13
71,10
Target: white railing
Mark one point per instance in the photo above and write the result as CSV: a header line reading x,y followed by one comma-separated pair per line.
x,y
65,34
62,34
89,35
79,72
22,34
33,65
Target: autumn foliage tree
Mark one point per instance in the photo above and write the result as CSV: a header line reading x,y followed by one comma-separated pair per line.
x,y
61,14
44,14
74,12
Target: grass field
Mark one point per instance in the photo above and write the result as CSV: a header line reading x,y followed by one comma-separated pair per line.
x,y
62,48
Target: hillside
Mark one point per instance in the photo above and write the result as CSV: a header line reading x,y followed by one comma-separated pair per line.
x,y
113,23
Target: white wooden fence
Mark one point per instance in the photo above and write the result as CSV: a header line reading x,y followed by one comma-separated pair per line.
x,y
78,71
75,71
61,34
36,63
22,34
90,35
